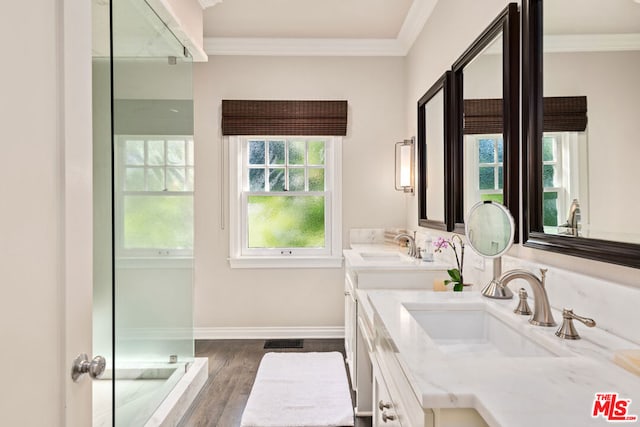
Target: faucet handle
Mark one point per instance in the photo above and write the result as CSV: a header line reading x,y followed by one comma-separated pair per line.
x,y
522,308
567,330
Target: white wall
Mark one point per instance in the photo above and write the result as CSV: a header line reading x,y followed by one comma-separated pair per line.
x,y
293,297
451,28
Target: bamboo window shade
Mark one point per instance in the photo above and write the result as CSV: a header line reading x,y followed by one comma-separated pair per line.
x,y
266,117
560,114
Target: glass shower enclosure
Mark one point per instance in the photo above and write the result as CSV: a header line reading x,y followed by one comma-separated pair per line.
x,y
143,212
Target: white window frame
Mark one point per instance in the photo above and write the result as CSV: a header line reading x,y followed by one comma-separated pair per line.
x,y
123,253
558,163
572,181
240,255
472,159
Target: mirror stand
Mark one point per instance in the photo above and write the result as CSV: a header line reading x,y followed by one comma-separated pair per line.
x,y
493,289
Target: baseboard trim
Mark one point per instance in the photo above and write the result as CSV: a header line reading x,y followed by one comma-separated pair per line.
x,y
326,332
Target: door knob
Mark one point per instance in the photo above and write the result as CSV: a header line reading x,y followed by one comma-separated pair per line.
x,y
82,365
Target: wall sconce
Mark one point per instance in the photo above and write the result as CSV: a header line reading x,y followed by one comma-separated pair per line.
x,y
405,165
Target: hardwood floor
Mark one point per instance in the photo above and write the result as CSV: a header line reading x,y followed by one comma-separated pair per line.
x,y
232,369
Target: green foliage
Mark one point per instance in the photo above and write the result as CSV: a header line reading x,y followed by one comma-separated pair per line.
x,y
498,198
286,221
456,279
550,209
158,222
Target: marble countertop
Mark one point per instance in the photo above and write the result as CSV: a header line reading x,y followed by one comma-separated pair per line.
x,y
355,258
506,391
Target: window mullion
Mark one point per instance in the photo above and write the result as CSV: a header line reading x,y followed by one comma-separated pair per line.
x,y
305,163
286,164
165,144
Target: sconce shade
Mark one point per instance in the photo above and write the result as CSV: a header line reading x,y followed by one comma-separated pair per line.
x,y
405,165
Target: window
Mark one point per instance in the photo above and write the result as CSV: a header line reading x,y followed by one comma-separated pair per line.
x,y
564,164
154,195
484,157
490,159
286,209
553,193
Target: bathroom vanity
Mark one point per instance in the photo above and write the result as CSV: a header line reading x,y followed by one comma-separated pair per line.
x,y
429,368
376,266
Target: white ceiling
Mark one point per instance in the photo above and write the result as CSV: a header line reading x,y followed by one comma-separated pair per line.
x,y
313,27
357,27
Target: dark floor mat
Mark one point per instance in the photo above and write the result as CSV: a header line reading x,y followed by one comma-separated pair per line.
x,y
284,343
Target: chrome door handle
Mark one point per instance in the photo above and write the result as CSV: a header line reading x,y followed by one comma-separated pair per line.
x,y
82,365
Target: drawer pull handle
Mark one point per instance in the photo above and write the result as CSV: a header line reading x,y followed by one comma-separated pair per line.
x,y
384,405
387,417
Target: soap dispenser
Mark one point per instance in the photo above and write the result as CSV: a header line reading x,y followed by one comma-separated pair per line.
x,y
427,251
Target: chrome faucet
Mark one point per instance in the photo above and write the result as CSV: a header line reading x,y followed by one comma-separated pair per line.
x,y
542,315
411,243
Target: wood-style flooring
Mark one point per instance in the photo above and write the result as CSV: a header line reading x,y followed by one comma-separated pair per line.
x,y
232,369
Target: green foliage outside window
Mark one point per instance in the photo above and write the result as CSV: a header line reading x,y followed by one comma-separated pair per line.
x,y
158,222
286,221
550,209
498,198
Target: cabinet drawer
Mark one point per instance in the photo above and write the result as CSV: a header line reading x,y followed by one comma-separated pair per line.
x,y
385,413
411,413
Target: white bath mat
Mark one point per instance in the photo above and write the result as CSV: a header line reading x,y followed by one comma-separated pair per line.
x,y
299,390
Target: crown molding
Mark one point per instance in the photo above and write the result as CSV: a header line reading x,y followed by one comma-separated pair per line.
x,y
413,24
303,47
591,43
208,3
417,16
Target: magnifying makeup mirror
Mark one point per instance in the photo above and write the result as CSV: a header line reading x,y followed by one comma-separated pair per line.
x,y
490,230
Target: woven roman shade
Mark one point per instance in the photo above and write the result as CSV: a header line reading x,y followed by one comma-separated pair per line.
x,y
246,117
561,114
483,116
564,114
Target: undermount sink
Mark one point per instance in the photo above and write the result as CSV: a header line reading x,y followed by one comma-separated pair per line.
x,y
474,331
385,257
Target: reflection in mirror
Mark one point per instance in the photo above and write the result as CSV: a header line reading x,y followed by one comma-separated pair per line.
x,y
490,230
483,142
581,180
486,82
434,173
595,168
434,156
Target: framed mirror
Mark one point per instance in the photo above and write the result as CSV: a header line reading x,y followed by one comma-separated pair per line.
x,y
434,156
486,119
581,62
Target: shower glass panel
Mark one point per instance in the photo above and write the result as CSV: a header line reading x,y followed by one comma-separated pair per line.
x,y
152,179
102,245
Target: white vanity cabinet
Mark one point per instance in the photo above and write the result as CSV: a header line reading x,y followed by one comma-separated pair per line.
x,y
396,404
377,271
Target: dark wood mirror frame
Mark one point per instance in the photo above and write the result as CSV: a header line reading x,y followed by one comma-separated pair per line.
x,y
442,84
506,23
621,253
